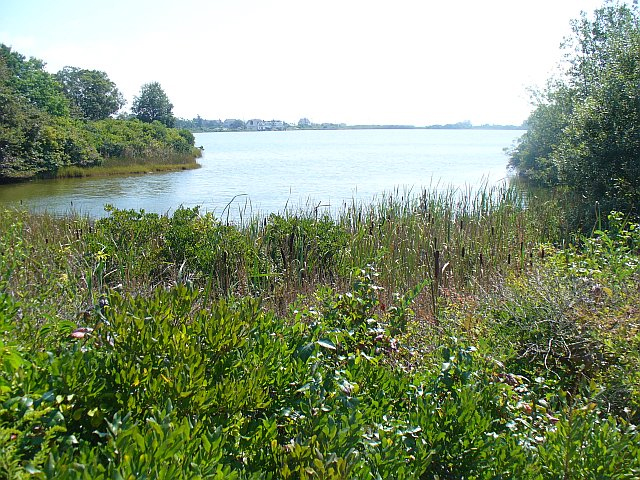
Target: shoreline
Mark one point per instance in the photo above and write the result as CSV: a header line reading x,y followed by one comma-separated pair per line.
x,y
120,170
356,127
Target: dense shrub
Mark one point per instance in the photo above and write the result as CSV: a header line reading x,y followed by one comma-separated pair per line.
x,y
584,132
39,133
125,355
303,247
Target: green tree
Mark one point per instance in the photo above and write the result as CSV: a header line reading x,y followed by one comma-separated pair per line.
x,y
533,157
598,153
32,142
153,104
93,94
29,79
20,125
584,132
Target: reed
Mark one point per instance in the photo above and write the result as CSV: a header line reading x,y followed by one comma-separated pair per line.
x,y
458,239
124,167
451,240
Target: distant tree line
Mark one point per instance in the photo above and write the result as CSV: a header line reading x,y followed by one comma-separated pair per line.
x,y
199,124
49,121
584,133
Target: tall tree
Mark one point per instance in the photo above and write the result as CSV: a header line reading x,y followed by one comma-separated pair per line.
x,y
29,79
93,94
585,130
598,153
153,104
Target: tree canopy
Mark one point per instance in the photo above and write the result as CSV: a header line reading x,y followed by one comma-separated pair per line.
x,y
28,78
584,132
153,104
92,93
52,121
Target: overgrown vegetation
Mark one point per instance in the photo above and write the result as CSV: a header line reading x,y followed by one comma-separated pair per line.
x,y
437,337
467,335
584,133
51,125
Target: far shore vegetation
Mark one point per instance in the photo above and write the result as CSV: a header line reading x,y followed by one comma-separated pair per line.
x,y
120,167
201,125
492,333
55,125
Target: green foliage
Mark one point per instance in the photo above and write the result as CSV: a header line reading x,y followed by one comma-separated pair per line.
x,y
205,245
32,148
586,444
125,355
90,92
584,132
463,417
163,447
136,245
301,247
20,128
29,79
555,318
128,238
152,104
609,256
533,156
39,136
132,139
549,339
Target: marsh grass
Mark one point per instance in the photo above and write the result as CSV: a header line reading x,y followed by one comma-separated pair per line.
x,y
427,333
457,239
132,166
450,240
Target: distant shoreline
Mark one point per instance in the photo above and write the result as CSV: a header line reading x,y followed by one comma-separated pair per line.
x,y
366,127
201,125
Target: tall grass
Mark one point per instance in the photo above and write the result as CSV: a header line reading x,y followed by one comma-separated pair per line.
x,y
451,240
162,162
539,377
455,239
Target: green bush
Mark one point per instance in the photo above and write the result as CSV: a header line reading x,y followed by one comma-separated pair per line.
x,y
171,376
128,245
209,249
302,248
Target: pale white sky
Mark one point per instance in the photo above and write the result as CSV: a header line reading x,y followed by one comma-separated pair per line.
x,y
416,62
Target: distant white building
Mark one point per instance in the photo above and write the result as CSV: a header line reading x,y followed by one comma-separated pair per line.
x,y
254,124
274,125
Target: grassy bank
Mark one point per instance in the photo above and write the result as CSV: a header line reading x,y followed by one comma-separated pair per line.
x,y
117,166
447,335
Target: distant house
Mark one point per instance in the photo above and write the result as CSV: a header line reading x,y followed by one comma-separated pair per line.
x,y
274,125
233,123
254,124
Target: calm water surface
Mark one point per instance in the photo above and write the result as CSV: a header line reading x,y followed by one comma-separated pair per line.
x,y
264,172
